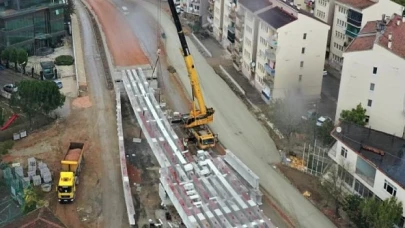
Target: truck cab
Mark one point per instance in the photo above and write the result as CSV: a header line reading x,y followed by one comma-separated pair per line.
x,y
67,187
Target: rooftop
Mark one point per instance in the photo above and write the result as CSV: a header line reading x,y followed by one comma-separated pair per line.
x,y
385,151
358,4
369,36
276,17
255,5
42,217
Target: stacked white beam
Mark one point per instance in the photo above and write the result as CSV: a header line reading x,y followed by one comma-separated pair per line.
x,y
36,180
124,173
205,191
32,164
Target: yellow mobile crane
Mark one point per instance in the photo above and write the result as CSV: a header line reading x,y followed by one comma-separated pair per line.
x,y
196,121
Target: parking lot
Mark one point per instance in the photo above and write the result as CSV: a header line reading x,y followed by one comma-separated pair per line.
x,y
9,76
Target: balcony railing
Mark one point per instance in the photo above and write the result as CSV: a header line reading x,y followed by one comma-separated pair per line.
x,y
231,29
364,177
240,15
269,70
354,22
270,54
272,42
352,34
232,16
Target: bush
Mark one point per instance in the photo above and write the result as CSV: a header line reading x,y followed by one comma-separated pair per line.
x,y
64,60
6,146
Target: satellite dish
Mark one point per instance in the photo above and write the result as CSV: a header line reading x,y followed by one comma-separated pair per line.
x,y
339,129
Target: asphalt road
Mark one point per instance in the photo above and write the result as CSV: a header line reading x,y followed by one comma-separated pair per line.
x,y
104,122
238,130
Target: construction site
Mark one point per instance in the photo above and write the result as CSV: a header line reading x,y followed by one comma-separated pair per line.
x,y
141,140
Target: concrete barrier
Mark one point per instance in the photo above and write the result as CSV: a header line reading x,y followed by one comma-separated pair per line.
x,y
202,45
232,80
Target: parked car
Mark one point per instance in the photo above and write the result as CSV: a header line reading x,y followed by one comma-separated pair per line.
x,y
311,114
325,73
10,88
321,120
58,83
2,67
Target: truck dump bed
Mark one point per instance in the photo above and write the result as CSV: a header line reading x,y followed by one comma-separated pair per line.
x,y
73,157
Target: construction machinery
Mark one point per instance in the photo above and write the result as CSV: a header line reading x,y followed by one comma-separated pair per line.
x,y
196,121
69,174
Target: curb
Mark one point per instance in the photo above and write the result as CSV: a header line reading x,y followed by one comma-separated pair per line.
x,y
74,54
232,80
201,45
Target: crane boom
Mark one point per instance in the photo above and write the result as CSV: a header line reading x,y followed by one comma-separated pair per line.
x,y
202,115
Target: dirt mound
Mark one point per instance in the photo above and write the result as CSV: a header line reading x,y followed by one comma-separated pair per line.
x,y
82,102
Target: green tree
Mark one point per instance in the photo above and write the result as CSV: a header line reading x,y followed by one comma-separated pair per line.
x,y
13,57
352,207
37,97
5,56
22,58
286,116
356,115
401,2
381,214
69,9
323,132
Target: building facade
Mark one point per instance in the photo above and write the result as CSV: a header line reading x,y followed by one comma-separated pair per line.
x,y
349,17
218,21
31,24
370,162
283,49
372,75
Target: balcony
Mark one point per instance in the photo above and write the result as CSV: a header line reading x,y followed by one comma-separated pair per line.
x,y
232,16
354,18
210,19
211,2
352,34
365,171
269,70
240,15
272,42
270,54
195,1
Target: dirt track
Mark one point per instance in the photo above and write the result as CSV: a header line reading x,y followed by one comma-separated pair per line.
x,y
122,43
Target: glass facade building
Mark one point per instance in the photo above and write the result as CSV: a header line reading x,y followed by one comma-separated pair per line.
x,y
31,24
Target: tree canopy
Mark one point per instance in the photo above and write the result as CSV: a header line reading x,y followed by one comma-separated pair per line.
x,y
355,115
372,212
37,97
286,115
323,132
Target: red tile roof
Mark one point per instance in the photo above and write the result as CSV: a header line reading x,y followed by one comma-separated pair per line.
x,y
358,4
362,43
370,27
369,36
398,36
43,218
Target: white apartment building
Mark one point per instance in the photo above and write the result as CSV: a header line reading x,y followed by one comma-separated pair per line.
x,y
349,17
238,45
323,10
283,49
249,32
373,75
196,9
218,21
370,162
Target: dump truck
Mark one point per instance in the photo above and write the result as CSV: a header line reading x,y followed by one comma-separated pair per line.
x,y
69,174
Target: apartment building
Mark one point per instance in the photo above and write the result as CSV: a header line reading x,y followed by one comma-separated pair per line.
x,y
248,35
229,22
283,49
238,45
373,73
349,17
370,162
31,24
196,9
218,20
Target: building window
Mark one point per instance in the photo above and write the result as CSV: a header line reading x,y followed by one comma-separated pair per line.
x,y
300,77
374,70
302,64
372,85
367,119
305,36
303,51
343,152
390,188
361,189
369,103
249,29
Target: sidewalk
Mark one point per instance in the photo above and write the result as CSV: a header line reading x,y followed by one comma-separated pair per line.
x,y
221,57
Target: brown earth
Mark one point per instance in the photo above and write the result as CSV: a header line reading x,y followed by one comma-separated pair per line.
x,y
122,43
